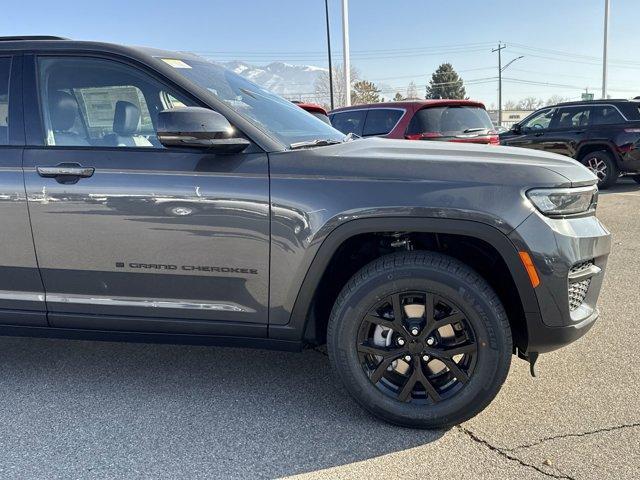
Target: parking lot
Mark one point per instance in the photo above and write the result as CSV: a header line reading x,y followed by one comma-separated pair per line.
x,y
104,410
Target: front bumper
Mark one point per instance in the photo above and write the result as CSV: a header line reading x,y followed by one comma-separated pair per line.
x,y
559,248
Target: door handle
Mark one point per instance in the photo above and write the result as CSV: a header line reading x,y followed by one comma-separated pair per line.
x,y
66,170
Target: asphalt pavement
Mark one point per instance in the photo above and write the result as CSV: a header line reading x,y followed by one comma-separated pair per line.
x,y
75,409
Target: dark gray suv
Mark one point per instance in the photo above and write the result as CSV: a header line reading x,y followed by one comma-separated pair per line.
x,y
152,196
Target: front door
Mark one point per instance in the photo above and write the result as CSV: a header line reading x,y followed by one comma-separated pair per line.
x,y
130,235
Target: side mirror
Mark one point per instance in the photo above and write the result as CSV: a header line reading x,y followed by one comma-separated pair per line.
x,y
196,127
516,128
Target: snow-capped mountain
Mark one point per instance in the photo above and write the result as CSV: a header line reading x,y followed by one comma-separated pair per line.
x,y
295,82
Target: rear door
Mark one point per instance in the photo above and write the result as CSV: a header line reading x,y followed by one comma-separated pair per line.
x,y
131,235
21,291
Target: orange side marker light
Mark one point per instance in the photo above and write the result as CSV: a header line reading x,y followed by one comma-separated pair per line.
x,y
530,268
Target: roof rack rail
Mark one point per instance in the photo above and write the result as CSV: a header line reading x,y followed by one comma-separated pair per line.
x,y
31,37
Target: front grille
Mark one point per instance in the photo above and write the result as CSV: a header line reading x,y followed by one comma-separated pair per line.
x,y
578,290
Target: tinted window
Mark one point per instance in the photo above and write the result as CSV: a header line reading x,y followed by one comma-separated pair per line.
x,y
350,121
539,121
5,72
605,114
380,121
449,120
572,117
321,116
95,102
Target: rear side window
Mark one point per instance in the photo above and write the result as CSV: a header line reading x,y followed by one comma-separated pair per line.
x,y
380,121
351,121
606,115
5,73
449,120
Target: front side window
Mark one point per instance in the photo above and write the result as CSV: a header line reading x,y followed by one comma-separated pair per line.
x,y
5,73
539,121
349,121
380,121
96,102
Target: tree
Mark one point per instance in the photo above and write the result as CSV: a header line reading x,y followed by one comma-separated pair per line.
x,y
365,92
530,103
446,83
398,97
510,105
555,99
412,91
321,86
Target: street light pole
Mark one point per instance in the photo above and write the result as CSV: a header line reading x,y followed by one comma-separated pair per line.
x,y
499,50
607,7
326,10
345,48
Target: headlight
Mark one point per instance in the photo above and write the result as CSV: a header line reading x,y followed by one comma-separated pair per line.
x,y
560,202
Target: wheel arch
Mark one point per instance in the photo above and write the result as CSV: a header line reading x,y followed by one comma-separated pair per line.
x,y
301,324
598,146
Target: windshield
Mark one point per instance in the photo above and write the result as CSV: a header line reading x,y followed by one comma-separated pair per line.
x,y
450,120
285,120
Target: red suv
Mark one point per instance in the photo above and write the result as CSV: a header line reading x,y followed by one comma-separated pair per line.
x,y
445,120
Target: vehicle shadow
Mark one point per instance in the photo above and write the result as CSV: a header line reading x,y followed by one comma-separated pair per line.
x,y
623,185
73,408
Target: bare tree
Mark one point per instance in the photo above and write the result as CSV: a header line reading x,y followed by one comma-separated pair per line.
x,y
510,105
530,103
321,86
555,99
412,91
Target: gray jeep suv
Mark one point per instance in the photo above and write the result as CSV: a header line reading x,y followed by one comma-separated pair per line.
x,y
152,196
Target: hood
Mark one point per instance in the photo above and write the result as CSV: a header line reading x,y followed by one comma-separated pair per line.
x,y
447,161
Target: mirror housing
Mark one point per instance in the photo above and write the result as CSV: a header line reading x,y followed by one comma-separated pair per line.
x,y
516,128
196,127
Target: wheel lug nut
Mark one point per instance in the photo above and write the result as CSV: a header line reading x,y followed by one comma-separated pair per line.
x,y
426,358
400,341
407,358
431,341
415,331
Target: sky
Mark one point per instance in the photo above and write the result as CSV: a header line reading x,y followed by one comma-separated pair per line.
x,y
392,42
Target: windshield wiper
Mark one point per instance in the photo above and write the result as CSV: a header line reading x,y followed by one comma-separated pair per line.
x,y
313,143
473,130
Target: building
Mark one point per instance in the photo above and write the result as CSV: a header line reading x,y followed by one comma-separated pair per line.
x,y
509,117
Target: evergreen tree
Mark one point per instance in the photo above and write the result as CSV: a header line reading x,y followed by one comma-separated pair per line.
x,y
398,97
365,92
446,83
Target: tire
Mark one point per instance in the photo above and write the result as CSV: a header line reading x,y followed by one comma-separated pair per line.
x,y
447,280
604,166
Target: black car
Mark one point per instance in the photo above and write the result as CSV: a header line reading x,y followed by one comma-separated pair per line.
x,y
604,135
153,196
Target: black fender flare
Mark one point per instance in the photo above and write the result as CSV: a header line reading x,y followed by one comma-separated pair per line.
x,y
299,317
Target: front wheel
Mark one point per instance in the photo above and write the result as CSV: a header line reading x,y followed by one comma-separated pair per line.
x,y
420,340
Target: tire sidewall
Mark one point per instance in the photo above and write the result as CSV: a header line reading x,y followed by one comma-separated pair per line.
x,y
494,346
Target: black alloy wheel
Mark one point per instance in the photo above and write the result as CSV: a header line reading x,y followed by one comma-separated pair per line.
x,y
417,347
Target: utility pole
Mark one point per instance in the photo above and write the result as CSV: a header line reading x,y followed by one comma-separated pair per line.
x,y
326,11
345,48
499,50
607,8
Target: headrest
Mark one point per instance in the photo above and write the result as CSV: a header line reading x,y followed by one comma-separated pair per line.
x,y
126,120
63,108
